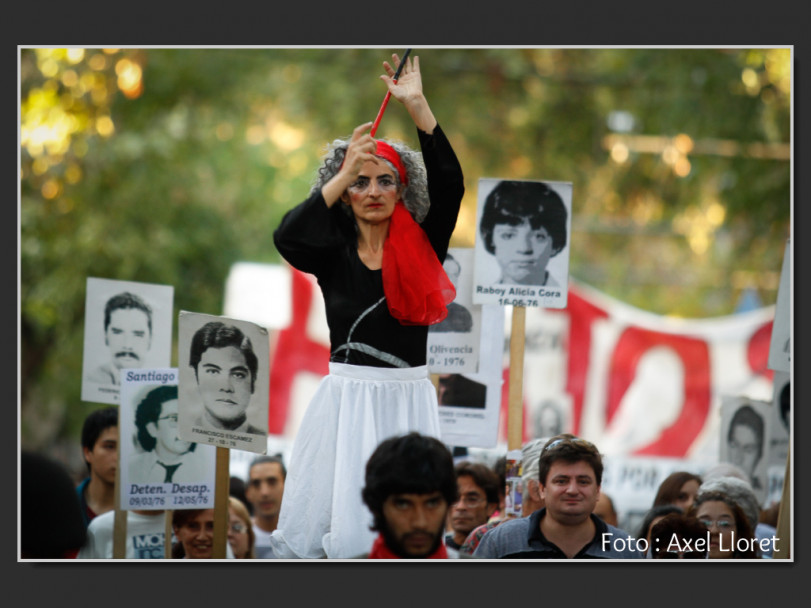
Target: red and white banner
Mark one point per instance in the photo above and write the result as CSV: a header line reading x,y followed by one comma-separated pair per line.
x,y
633,382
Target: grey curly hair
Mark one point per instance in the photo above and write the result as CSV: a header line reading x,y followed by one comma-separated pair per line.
x,y
415,195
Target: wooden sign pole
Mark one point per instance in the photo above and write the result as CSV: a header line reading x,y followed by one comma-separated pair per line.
x,y
167,534
515,405
221,492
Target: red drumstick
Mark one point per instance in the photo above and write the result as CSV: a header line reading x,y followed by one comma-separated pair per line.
x,y
388,94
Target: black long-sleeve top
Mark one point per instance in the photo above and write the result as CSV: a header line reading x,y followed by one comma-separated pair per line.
x,y
322,240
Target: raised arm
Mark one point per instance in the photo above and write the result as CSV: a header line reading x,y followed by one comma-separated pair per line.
x,y
408,91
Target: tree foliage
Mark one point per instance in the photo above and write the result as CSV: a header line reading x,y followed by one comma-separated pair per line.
x,y
169,165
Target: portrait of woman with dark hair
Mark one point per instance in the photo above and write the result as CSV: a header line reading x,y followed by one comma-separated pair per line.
x,y
524,225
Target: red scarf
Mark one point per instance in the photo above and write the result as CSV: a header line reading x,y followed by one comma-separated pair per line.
x,y
417,289
416,286
381,551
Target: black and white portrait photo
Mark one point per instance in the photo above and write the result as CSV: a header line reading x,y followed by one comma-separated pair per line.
x,y
127,325
453,344
160,470
459,319
224,382
470,403
746,430
522,244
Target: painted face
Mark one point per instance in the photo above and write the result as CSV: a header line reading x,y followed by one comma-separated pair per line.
x,y
744,448
197,535
415,523
128,337
167,444
238,535
265,488
103,458
687,494
571,491
522,253
472,509
720,521
373,194
224,381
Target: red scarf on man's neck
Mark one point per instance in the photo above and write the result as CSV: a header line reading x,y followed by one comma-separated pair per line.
x,y
381,551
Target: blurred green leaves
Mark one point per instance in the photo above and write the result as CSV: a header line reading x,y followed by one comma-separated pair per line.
x,y
168,165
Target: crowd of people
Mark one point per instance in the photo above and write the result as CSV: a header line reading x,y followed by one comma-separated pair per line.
x,y
368,477
422,504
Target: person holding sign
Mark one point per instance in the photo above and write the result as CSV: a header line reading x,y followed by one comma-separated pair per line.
x,y
523,224
374,232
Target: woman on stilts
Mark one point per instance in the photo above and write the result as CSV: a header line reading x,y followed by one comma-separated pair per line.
x,y
374,232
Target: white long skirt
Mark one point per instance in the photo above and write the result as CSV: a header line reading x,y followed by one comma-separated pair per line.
x,y
353,410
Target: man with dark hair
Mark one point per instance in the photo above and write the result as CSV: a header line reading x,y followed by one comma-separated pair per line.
x,y
100,452
225,367
478,487
264,491
523,224
745,441
166,457
127,334
410,484
570,475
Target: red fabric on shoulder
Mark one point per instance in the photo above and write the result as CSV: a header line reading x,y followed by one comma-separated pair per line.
x,y
417,288
381,551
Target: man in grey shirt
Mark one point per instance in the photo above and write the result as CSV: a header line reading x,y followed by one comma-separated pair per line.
x,y
570,474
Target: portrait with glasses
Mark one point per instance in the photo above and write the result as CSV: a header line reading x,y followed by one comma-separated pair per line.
x,y
157,459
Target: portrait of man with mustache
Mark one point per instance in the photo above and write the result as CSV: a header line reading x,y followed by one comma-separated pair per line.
x,y
127,335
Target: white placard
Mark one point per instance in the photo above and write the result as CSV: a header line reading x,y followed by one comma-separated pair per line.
x,y
453,344
127,325
522,245
224,381
746,430
469,404
159,470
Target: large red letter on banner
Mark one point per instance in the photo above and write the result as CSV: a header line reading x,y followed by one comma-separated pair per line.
x,y
694,354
